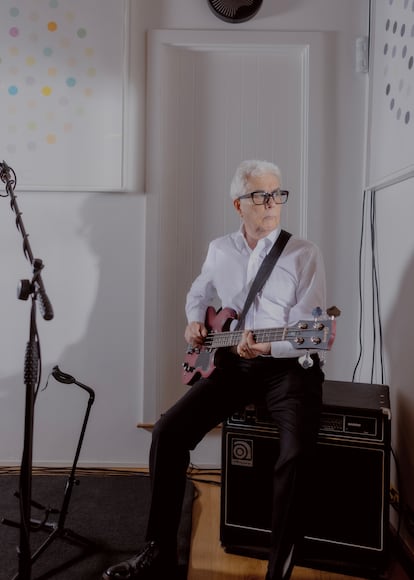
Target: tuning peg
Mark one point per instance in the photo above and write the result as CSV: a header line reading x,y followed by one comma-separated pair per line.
x,y
333,311
316,312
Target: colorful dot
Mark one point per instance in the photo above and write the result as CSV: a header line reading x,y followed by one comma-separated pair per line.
x,y
89,52
81,33
13,51
71,82
51,139
52,26
32,125
30,60
47,51
14,12
14,31
91,72
88,92
13,90
52,71
46,91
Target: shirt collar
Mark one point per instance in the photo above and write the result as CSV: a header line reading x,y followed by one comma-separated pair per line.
x,y
267,242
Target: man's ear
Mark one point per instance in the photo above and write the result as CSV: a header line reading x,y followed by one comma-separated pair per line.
x,y
236,203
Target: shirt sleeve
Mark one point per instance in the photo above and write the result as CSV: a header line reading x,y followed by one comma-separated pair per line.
x,y
311,293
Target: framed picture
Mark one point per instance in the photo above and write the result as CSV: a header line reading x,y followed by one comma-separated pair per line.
x,y
391,116
63,75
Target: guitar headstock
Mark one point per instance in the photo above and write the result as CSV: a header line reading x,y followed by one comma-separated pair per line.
x,y
317,334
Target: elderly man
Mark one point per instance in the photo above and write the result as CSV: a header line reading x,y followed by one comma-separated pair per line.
x,y
247,372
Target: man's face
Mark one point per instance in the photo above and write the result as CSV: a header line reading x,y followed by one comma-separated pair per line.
x,y
259,220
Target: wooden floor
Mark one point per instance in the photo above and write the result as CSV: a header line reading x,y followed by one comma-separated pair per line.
x,y
209,561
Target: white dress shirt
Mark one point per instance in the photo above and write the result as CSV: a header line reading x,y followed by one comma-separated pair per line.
x,y
294,288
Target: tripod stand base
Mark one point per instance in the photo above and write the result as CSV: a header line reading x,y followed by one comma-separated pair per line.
x,y
56,532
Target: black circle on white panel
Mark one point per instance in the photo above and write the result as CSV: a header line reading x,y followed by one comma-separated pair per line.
x,y
398,53
235,10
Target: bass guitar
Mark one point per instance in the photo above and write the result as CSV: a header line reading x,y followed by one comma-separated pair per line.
x,y
201,361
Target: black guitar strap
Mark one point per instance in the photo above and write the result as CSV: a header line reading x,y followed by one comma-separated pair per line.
x,y
263,273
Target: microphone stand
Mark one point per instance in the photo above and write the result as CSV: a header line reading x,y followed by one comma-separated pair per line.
x,y
32,373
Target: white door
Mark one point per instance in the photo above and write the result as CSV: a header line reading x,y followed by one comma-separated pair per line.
x,y
216,98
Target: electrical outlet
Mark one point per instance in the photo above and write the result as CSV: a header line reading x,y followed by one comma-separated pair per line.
x,y
402,509
394,498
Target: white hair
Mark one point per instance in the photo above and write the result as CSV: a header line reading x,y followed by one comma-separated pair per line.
x,y
249,168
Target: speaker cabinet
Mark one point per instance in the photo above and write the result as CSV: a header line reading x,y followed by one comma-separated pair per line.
x,y
348,528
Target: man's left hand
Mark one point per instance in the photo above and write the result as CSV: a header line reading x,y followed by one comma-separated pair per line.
x,y
248,348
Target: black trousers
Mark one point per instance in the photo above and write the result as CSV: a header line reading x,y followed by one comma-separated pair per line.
x,y
293,396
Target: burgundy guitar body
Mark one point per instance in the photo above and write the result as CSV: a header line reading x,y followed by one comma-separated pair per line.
x,y
201,361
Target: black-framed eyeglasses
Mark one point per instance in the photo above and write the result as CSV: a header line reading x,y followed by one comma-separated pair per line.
x,y
279,196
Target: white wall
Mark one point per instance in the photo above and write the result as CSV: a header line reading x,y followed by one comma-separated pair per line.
x,y
390,186
93,248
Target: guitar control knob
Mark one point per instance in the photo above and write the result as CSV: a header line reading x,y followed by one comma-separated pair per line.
x,y
187,368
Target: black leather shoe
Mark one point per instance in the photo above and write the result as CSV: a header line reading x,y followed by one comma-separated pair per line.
x,y
147,565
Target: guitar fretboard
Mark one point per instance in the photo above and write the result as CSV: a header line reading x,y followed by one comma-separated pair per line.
x,y
226,339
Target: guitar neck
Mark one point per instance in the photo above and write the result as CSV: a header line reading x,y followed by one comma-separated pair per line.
x,y
232,338
305,334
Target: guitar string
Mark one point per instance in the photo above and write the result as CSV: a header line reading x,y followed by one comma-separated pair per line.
x,y
232,338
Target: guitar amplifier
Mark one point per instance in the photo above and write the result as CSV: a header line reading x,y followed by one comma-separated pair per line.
x,y
348,528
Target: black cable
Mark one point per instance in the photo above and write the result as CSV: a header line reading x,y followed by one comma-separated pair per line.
x,y
376,307
400,493
374,327
377,331
361,245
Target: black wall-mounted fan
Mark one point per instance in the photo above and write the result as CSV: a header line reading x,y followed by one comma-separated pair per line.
x,y
235,10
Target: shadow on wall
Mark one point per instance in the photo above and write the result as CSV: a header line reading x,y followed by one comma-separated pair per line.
x,y
106,353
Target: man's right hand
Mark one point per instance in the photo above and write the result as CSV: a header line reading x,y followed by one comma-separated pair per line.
x,y
195,333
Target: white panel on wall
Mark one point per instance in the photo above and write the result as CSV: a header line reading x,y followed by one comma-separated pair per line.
x,y
391,91
214,99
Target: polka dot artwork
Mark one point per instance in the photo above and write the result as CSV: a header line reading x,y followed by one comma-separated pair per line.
x,y
55,61
391,80
398,50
